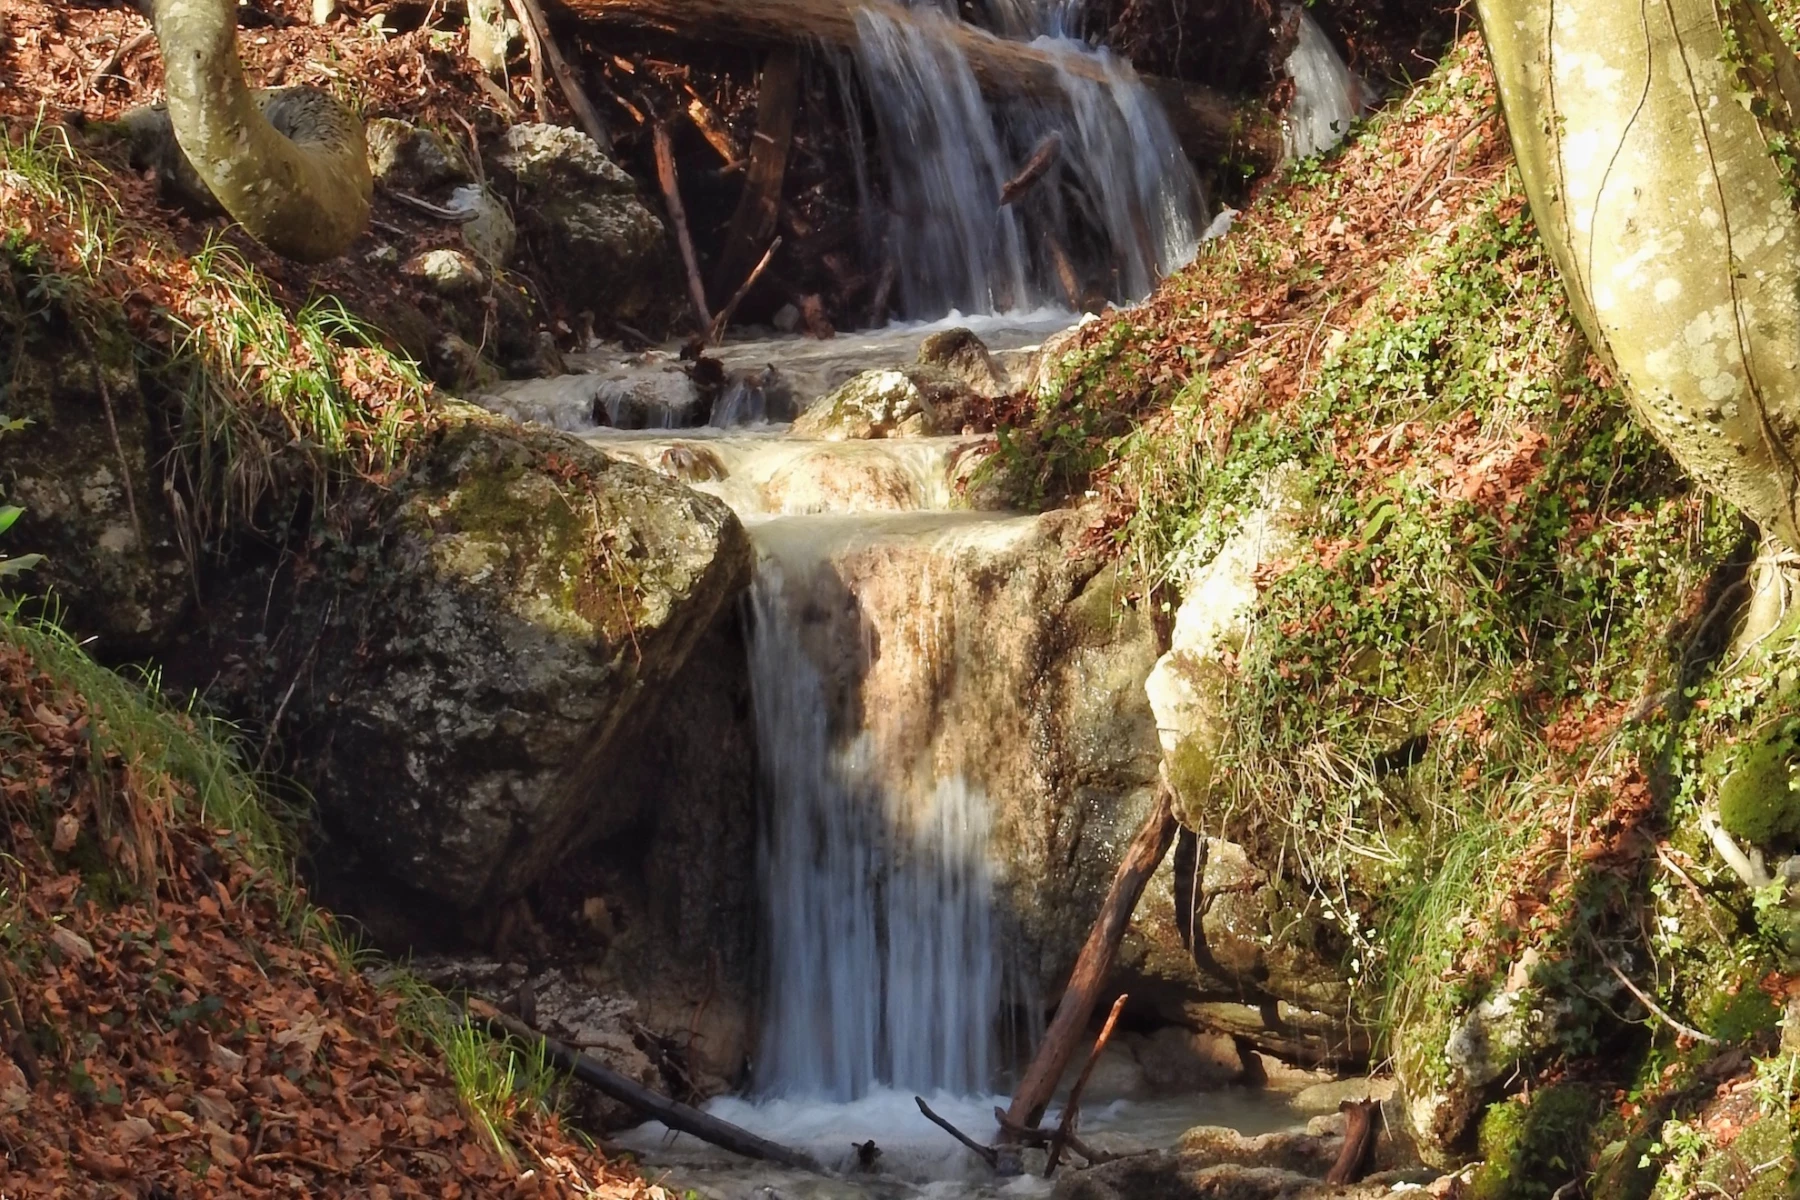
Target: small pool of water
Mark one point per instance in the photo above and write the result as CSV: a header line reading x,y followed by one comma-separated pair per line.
x,y
917,1158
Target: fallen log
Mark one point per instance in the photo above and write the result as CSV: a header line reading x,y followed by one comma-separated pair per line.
x,y
1083,992
629,1091
1210,124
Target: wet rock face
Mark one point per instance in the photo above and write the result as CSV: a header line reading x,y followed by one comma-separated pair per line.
x,y
598,246
962,355
94,504
470,672
917,402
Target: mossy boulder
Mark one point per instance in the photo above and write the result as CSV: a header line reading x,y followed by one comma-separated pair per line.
x,y
88,470
1759,788
1531,1147
470,672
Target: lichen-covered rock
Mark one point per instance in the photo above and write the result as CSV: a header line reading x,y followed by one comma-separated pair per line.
x,y
487,228
471,670
446,272
404,156
962,355
921,401
597,245
88,472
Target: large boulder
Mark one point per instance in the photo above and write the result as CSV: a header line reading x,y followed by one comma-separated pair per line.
x,y
599,248
88,470
465,677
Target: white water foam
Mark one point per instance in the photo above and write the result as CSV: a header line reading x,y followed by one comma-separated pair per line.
x,y
1328,97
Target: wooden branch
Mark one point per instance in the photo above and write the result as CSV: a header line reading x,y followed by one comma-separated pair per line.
x,y
1210,124
1036,167
111,63
671,189
1065,1128
534,49
1041,1137
584,108
723,320
1083,992
1359,1139
759,208
988,1154
629,1091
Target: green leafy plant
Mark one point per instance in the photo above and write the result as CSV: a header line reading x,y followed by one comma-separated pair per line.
x,y
11,567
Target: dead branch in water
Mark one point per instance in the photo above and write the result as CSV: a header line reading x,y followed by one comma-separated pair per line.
x,y
731,306
671,189
1065,1128
1083,992
626,1090
1036,167
988,1154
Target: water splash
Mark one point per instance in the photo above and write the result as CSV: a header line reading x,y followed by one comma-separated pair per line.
x,y
1328,96
1121,207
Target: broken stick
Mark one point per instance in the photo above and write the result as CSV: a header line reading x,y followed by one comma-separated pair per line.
x,y
1036,167
565,78
671,189
725,314
988,1154
1041,1137
1359,1139
1083,992
1065,1128
626,1090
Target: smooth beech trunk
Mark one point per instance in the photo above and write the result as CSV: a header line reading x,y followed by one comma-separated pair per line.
x,y
290,165
1650,138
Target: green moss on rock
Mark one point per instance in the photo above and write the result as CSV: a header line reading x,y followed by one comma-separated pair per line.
x,y
1759,794
1531,1148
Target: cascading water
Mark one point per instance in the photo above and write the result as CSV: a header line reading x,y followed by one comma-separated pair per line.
x,y
1121,208
883,965
1327,94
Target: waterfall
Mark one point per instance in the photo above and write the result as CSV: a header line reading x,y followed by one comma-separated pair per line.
x,y
1121,208
883,960
1327,94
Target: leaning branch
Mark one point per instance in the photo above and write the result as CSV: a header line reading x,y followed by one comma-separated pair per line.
x,y
626,1090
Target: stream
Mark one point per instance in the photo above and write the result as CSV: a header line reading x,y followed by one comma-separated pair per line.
x,y
889,971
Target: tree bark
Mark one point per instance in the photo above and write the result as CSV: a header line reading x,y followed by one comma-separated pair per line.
x,y
759,208
1651,142
1078,999
290,165
1210,125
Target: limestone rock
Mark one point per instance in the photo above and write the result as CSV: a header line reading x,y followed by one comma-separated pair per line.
x,y
1325,1097
94,506
921,401
600,248
1166,1176
411,159
1184,1060
447,272
959,353
487,230
477,661
1303,1154
1187,689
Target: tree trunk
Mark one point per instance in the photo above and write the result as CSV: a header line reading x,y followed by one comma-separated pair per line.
x,y
1652,139
289,165
1209,124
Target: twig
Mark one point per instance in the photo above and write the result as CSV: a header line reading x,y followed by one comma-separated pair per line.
x,y
430,209
1071,1112
499,96
1036,1136
112,427
671,189
112,62
988,1154
723,320
534,49
1653,1006
1747,867
578,100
